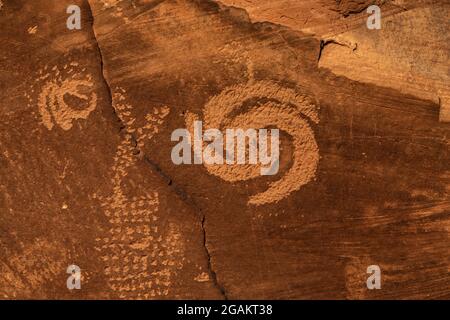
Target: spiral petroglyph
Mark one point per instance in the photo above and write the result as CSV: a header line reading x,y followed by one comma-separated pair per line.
x,y
53,106
265,104
60,85
140,259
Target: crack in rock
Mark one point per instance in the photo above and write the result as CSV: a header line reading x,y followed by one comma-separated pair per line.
x,y
178,191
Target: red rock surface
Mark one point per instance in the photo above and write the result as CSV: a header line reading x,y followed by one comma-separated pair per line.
x,y
86,175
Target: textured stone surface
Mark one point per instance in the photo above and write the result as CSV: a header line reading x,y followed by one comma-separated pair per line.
x,y
410,53
86,175
74,187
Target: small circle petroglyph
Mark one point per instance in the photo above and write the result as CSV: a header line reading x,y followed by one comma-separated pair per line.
x,y
58,85
265,104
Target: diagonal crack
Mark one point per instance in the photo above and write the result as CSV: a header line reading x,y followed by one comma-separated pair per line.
x,y
155,168
182,194
325,42
212,273
102,69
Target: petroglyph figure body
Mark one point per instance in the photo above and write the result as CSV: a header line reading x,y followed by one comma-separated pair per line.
x,y
140,260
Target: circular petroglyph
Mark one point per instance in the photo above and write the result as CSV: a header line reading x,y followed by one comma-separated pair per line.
x,y
53,107
65,95
265,104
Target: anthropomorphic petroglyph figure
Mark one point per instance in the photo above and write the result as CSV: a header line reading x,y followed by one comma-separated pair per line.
x,y
140,259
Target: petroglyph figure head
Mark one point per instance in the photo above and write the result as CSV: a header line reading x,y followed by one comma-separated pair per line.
x,y
54,108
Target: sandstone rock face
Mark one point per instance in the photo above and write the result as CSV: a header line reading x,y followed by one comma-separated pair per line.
x,y
87,178
409,53
75,187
